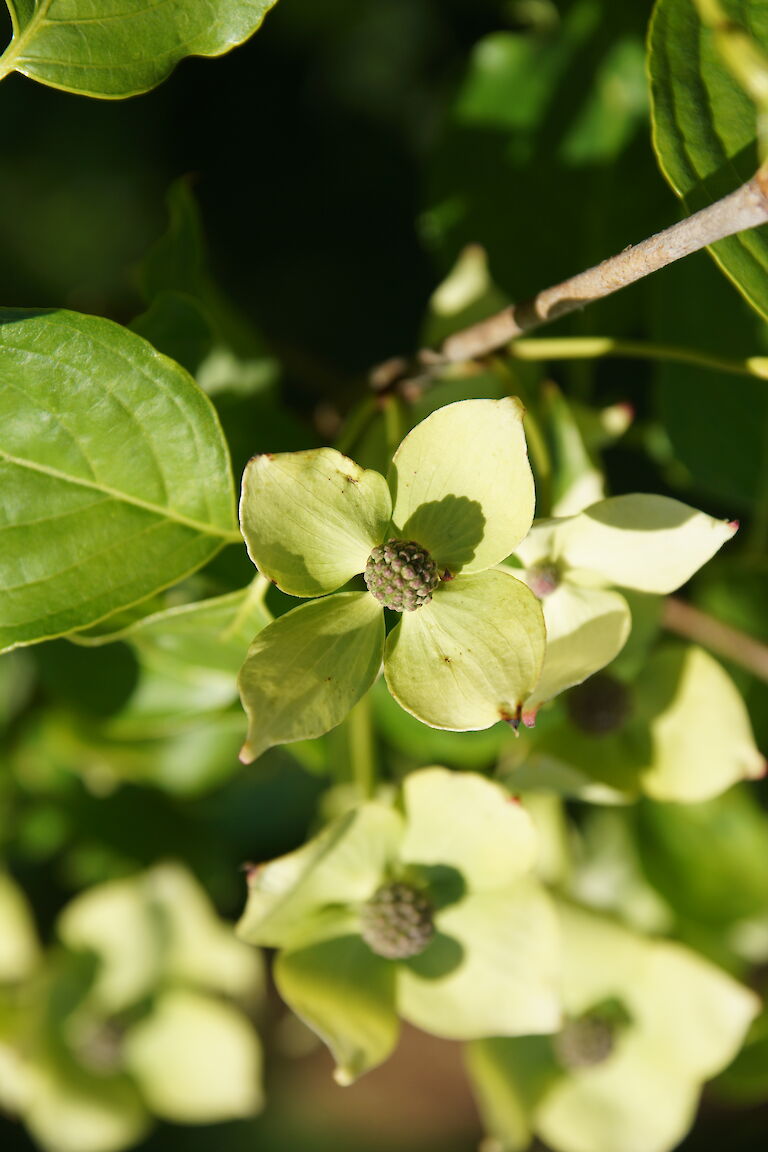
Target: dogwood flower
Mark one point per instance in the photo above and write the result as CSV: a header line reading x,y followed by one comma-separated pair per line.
x,y
468,648
132,1019
430,913
646,1022
643,542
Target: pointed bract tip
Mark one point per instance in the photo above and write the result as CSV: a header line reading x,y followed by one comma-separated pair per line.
x,y
734,525
343,1077
511,718
245,755
761,771
250,870
529,718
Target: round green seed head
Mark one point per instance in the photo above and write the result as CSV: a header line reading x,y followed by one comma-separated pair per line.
x,y
397,922
585,1041
401,575
601,704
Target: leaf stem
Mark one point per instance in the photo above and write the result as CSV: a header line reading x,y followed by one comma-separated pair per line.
x,y
745,208
593,347
362,756
730,643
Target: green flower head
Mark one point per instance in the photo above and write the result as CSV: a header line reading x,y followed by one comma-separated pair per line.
x,y
132,1019
646,1023
469,644
615,739
641,542
431,914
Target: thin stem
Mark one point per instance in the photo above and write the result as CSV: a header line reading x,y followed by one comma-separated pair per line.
x,y
730,643
356,423
362,757
745,208
593,347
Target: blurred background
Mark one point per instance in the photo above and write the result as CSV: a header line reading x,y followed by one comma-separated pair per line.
x,y
341,161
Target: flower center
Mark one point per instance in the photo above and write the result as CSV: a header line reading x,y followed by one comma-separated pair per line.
x,y
544,579
401,575
599,705
397,922
585,1041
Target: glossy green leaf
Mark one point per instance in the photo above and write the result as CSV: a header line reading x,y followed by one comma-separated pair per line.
x,y
116,469
586,629
708,860
343,865
114,48
504,948
308,669
462,484
346,994
466,822
189,658
311,519
196,1060
705,126
471,656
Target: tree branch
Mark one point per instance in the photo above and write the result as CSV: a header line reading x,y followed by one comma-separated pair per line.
x,y
730,643
745,208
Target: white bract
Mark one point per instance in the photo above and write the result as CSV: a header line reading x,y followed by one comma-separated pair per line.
x,y
642,542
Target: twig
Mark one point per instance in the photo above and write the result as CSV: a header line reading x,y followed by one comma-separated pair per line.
x,y
745,208
730,643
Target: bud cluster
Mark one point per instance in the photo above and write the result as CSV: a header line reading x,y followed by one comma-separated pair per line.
x,y
397,922
401,575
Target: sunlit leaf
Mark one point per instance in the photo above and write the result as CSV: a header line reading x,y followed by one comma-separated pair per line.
x,y
705,126
115,470
117,48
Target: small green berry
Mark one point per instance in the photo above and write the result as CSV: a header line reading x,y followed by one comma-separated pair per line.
x,y
601,704
397,922
401,575
544,579
585,1041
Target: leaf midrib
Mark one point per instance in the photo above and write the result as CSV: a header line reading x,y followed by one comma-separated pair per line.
x,y
164,513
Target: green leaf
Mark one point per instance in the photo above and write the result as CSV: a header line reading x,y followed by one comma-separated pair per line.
x,y
466,822
471,656
307,670
114,48
346,994
118,470
708,860
311,519
586,629
195,1059
462,484
505,978
345,864
705,127
189,658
